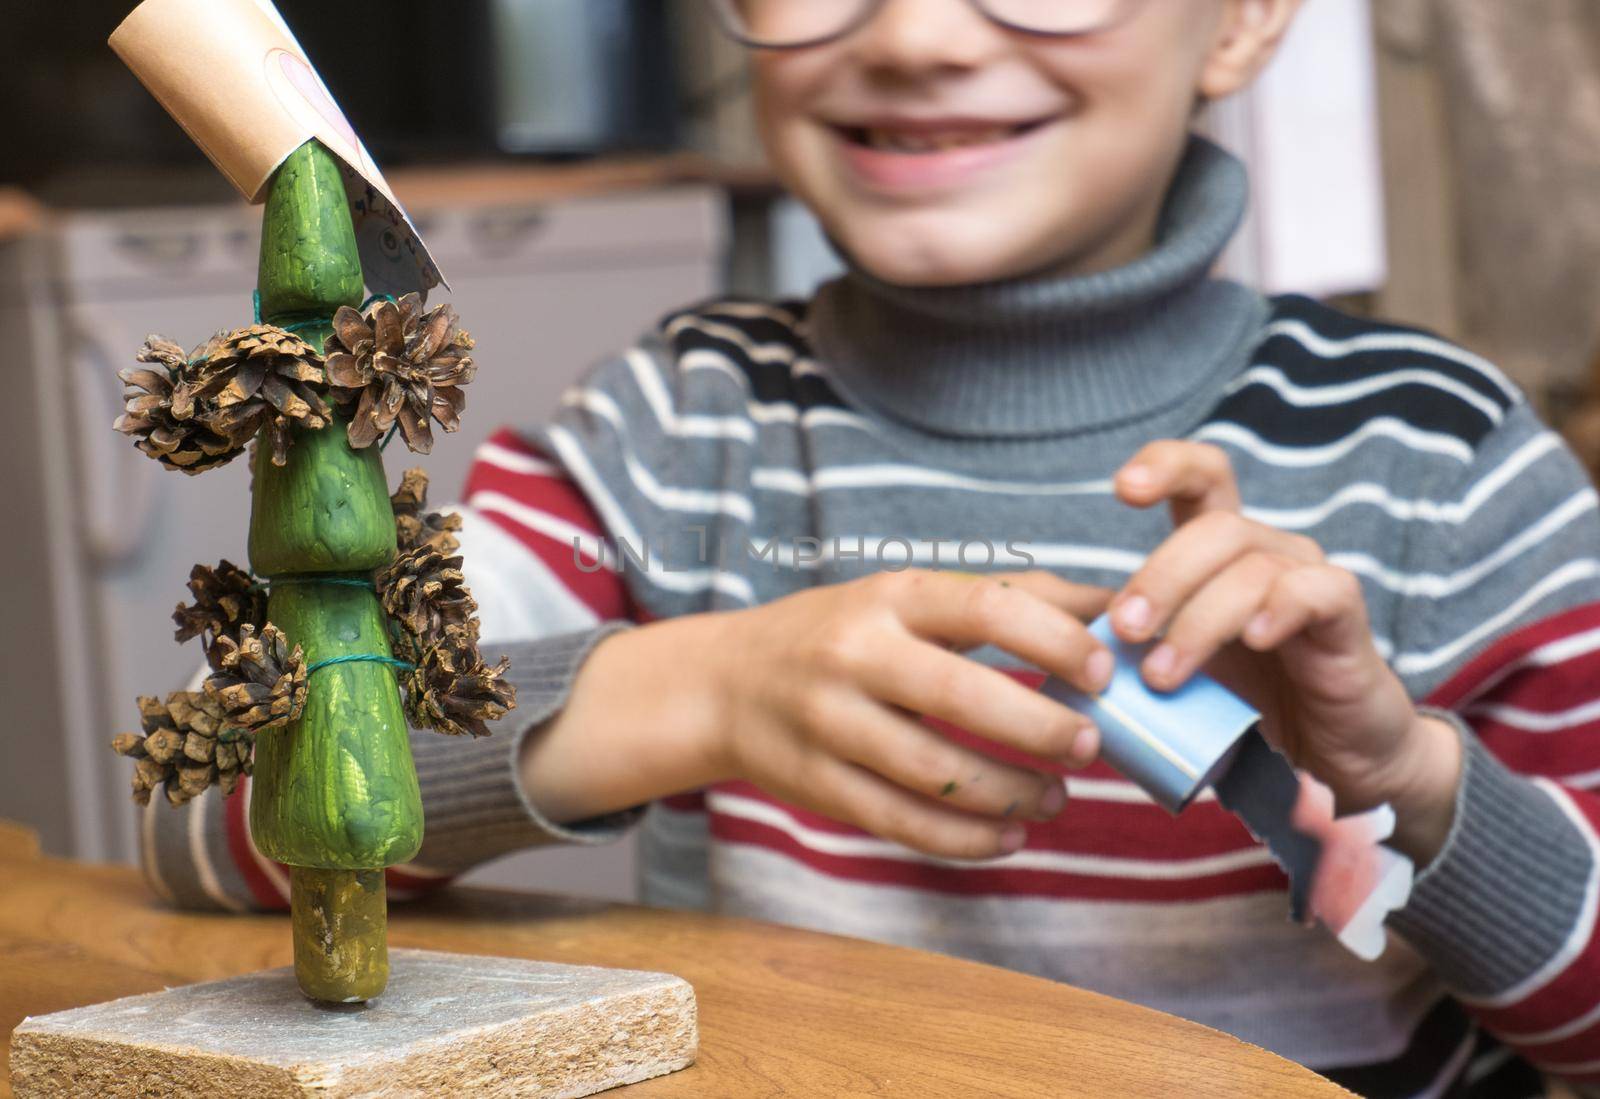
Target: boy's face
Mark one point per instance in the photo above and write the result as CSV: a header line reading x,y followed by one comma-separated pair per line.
x,y
938,147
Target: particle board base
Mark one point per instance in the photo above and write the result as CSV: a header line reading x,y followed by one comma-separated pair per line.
x,y
448,1024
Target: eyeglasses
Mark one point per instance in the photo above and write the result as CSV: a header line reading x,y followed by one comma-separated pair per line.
x,y
792,24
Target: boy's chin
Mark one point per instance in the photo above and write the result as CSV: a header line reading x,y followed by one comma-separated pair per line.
x,y
940,256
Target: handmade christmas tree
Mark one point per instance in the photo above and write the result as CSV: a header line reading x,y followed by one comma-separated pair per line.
x,y
353,616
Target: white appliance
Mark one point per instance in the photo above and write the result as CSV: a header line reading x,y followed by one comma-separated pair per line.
x,y
102,538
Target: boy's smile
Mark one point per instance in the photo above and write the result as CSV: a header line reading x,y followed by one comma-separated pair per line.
x,y
910,155
939,147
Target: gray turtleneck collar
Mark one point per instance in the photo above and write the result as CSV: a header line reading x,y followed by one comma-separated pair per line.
x,y
1046,356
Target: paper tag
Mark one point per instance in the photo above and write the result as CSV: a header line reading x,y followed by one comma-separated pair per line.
x,y
232,74
1172,744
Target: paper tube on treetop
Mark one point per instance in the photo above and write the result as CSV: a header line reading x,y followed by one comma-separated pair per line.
x,y
271,103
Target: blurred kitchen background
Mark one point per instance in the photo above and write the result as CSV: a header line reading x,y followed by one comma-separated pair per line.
x,y
578,168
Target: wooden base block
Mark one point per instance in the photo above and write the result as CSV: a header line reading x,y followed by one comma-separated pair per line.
x,y
449,1024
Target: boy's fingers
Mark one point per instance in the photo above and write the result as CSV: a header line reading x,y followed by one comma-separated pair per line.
x,y
968,611
1193,555
881,807
1324,603
913,756
1216,615
1193,477
1083,601
930,681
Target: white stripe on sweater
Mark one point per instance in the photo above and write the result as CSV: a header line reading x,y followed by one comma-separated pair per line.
x,y
1436,586
845,846
1572,572
666,497
1539,721
1582,928
1369,492
543,523
751,310
779,353
269,869
1328,347
1384,427
1320,396
1450,1072
512,461
1547,655
898,475
205,871
647,376
518,595
148,854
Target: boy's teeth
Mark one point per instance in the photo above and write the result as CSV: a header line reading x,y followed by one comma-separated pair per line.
x,y
901,141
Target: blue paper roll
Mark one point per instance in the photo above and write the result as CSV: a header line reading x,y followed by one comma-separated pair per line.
x,y
1172,744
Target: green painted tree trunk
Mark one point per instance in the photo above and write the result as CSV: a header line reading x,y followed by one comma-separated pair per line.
x,y
335,793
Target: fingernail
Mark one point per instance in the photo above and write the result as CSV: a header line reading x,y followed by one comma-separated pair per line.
x,y
1013,838
1135,476
1054,800
1161,662
1085,745
1099,666
1134,613
1259,625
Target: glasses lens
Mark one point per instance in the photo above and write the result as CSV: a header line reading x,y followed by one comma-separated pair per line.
x,y
1058,16
790,22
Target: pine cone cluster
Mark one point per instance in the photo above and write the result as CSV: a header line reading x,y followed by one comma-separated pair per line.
x,y
453,691
433,621
199,739
226,601
254,378
398,364
414,525
184,747
424,595
260,682
197,411
177,443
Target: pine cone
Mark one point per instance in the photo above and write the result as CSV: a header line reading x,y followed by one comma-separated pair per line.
x,y
259,683
253,378
226,599
176,442
184,748
415,526
424,595
453,691
399,364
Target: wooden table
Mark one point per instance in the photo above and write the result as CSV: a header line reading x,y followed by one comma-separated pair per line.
x,y
782,1011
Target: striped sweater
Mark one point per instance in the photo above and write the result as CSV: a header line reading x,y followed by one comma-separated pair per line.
x,y
742,451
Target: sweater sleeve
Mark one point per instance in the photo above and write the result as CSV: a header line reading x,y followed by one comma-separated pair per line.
x,y
1502,638
529,543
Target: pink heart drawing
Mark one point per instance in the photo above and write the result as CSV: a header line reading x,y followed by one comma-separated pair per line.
x,y
304,81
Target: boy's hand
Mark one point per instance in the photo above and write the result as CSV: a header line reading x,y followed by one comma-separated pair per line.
x,y
824,689
1263,612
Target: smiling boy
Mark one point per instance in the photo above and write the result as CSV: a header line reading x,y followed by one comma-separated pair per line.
x,y
1361,529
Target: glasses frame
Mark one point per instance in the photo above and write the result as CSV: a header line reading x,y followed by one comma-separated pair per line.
x,y
728,20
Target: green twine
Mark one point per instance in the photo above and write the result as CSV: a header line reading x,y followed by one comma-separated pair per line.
x,y
311,320
336,581
373,658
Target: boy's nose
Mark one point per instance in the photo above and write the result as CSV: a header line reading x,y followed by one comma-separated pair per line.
x,y
927,35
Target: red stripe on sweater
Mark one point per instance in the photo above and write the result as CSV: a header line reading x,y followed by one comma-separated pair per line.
x,y
237,826
980,880
1109,829
1513,647
600,589
554,495
1566,752
1568,994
